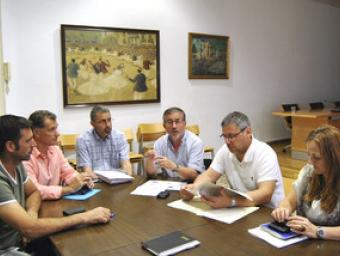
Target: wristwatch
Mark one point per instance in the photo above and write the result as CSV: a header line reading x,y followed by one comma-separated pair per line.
x,y
320,233
233,202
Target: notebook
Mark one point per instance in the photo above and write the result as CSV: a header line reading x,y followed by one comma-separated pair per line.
x,y
82,197
278,234
170,244
274,241
113,177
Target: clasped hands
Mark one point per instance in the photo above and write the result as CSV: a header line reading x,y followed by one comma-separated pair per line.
x,y
161,161
81,180
223,200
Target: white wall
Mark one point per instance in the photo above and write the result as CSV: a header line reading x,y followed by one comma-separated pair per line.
x,y
2,82
281,51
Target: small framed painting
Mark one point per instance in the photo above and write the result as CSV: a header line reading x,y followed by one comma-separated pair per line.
x,y
208,56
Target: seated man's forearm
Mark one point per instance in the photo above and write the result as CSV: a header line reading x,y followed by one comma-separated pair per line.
x,y
33,203
262,195
126,166
208,176
150,167
186,172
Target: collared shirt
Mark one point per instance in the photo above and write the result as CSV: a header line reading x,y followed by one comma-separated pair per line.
x,y
259,164
12,190
101,154
49,172
190,153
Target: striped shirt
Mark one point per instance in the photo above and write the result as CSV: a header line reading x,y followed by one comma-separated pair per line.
x,y
101,154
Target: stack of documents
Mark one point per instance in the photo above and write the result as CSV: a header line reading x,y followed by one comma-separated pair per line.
x,y
113,177
225,215
170,244
274,240
154,187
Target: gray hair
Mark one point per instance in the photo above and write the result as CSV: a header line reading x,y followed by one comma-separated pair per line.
x,y
173,110
98,109
237,118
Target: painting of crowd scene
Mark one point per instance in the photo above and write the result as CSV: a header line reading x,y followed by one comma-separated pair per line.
x,y
109,65
208,56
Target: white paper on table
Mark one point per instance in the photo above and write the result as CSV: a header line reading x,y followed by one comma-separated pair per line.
x,y
225,215
154,187
277,242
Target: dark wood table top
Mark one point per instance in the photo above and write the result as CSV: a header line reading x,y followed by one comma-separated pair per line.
x,y
139,218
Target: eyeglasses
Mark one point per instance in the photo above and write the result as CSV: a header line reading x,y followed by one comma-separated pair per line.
x,y
172,122
231,137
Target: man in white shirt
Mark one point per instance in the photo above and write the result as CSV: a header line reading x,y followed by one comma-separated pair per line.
x,y
249,165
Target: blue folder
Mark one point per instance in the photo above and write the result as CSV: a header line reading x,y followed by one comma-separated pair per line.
x,y
83,197
278,234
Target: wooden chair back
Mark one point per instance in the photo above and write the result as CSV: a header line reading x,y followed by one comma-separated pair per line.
x,y
147,132
195,129
129,136
67,141
134,157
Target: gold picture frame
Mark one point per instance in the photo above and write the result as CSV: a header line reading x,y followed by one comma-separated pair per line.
x,y
102,65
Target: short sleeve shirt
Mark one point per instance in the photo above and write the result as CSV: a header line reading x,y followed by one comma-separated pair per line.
x,y
258,165
101,154
11,190
49,172
190,153
313,210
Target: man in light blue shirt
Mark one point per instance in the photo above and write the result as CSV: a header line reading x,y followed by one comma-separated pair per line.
x,y
179,153
102,148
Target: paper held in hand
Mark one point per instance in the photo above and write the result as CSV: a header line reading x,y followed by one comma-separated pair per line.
x,y
113,176
211,189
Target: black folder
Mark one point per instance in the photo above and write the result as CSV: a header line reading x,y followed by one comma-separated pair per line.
x,y
170,244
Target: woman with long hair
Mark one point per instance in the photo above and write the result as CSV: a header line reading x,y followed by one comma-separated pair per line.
x,y
316,193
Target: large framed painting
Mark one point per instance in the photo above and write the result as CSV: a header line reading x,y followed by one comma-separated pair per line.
x,y
208,56
102,65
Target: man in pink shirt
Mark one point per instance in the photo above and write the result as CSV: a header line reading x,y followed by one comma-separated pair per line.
x,y
48,168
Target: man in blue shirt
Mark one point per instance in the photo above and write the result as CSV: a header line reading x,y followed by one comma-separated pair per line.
x,y
102,148
179,153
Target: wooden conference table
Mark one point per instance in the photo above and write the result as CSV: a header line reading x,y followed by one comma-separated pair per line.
x,y
140,218
303,122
